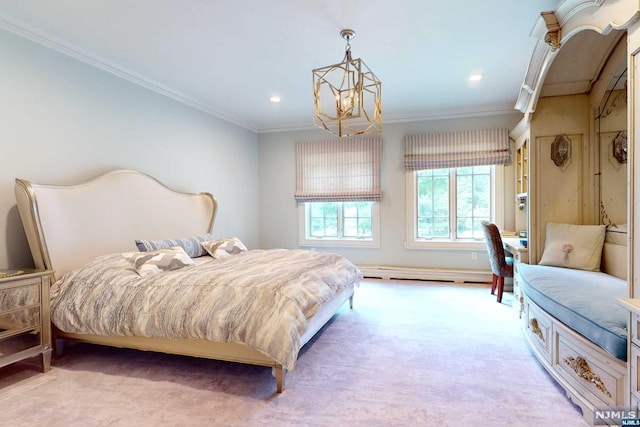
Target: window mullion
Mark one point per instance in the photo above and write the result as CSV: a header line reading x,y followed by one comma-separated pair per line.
x,y
340,220
453,204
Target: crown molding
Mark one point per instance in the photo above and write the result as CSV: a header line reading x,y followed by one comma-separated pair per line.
x,y
25,31
407,118
96,61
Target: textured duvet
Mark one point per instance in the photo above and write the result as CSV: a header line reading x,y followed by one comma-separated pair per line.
x,y
262,298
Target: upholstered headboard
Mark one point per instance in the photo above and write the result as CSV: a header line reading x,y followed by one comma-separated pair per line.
x,y
67,226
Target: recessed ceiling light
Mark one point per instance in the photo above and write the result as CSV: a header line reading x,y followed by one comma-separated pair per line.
x,y
475,77
274,99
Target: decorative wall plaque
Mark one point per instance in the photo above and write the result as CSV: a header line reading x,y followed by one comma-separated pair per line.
x,y
561,150
620,147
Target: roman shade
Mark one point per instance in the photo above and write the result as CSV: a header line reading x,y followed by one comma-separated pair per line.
x,y
338,170
456,149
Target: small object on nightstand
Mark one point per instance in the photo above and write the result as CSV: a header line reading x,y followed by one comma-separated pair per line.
x,y
10,273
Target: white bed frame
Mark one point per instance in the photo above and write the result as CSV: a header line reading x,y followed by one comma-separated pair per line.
x,y
67,226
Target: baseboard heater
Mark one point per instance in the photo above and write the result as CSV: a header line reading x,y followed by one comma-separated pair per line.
x,y
388,272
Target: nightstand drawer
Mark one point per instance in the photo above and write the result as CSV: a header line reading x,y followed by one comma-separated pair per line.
x,y
21,319
19,296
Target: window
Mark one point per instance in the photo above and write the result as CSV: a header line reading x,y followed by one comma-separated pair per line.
x,y
451,186
448,205
338,190
339,224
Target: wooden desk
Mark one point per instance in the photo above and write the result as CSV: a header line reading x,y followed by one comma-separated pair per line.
x,y
512,245
520,254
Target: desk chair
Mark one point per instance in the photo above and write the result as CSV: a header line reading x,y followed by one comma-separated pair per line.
x,y
501,265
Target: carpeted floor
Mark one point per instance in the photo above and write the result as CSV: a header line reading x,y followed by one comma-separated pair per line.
x,y
408,354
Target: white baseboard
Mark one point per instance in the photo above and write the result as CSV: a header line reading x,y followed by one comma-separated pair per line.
x,y
388,272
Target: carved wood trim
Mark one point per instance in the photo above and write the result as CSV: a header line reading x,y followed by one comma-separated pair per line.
x,y
536,329
521,307
581,368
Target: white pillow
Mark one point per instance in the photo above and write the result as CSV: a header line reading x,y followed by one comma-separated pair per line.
x,y
573,246
153,262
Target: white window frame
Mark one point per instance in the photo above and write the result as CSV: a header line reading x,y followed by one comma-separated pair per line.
x,y
497,214
305,241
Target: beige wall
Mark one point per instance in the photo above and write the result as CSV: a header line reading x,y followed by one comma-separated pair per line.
x,y
560,194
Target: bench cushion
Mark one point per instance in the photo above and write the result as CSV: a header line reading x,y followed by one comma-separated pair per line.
x,y
585,301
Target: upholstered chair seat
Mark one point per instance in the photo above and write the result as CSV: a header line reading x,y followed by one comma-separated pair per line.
x,y
501,265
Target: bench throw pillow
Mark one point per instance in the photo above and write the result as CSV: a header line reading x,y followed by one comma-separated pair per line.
x,y
573,246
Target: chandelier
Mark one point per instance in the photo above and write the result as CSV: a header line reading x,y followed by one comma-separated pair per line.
x,y
347,97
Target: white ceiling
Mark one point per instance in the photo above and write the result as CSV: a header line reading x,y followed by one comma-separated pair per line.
x,y
227,57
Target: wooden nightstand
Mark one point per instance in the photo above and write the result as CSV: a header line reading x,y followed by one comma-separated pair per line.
x,y
25,325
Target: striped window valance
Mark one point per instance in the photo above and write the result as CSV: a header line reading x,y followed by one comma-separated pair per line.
x,y
338,170
456,149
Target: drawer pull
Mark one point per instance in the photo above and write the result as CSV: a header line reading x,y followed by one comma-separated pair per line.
x,y
581,368
536,329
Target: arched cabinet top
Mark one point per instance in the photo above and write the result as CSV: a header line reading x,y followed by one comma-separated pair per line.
x,y
554,29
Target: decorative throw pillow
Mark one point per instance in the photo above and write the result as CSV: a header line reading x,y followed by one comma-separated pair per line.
x,y
224,247
152,262
573,246
191,245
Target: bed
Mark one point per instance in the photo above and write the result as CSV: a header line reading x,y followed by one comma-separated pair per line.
x,y
203,304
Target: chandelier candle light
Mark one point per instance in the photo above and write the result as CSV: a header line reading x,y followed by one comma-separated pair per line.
x,y
347,97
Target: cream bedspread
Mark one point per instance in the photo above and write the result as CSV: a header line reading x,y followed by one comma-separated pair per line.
x,y
262,298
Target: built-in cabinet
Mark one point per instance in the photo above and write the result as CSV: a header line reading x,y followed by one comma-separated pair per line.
x,y
520,255
574,163
521,169
567,169
521,183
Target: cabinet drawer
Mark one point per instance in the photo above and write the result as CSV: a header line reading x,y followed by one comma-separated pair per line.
x,y
19,296
21,319
633,363
539,330
635,404
600,381
635,329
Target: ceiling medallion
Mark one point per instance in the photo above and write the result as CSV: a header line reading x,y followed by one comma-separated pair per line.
x,y
347,97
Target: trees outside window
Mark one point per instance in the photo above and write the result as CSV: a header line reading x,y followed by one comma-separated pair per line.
x,y
449,204
339,223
